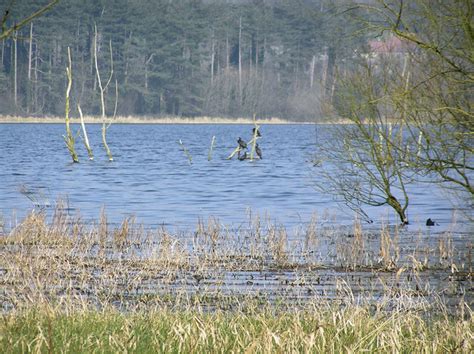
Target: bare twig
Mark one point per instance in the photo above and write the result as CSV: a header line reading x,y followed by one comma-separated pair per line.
x,y
6,32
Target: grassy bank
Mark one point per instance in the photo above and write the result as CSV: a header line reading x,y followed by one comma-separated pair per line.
x,y
322,329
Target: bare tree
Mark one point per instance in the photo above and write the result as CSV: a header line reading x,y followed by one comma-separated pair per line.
x,y
410,108
7,31
102,91
367,169
437,100
69,137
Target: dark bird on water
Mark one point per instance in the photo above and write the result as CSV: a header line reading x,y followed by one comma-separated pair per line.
x,y
258,132
242,144
258,151
430,222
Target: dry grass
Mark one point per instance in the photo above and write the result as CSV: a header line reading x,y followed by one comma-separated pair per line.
x,y
149,120
73,286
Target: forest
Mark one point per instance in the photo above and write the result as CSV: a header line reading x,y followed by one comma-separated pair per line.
x,y
181,58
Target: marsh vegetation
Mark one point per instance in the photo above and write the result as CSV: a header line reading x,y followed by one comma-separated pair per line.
x,y
66,283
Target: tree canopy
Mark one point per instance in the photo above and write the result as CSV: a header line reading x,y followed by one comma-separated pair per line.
x,y
184,58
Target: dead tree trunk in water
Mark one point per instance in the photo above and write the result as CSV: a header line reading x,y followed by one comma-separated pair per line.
x,y
69,137
102,90
256,136
85,137
211,148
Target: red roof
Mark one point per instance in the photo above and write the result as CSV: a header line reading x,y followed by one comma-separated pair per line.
x,y
390,45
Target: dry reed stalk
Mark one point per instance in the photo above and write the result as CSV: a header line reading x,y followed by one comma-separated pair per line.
x,y
311,240
385,245
277,243
352,254
358,244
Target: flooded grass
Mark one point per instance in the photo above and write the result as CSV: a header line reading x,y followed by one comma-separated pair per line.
x,y
259,288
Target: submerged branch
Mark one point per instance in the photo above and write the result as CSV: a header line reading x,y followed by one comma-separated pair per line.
x,y
186,152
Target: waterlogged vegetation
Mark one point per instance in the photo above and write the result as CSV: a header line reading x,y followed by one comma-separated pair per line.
x,y
97,287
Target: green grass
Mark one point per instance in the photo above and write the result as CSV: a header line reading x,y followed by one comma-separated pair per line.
x,y
353,329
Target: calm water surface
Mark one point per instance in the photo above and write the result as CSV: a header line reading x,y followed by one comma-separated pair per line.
x,y
152,179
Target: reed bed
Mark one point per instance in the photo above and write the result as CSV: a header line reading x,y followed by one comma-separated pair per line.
x,y
67,285
150,120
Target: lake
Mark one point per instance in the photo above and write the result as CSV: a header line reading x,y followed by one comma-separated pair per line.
x,y
152,179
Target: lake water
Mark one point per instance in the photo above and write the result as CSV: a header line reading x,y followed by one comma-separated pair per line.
x,y
152,179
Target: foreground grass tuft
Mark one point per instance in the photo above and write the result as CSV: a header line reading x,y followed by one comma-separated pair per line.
x,y
353,329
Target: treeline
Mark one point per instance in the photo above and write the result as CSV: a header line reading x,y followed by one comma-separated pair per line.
x,y
181,58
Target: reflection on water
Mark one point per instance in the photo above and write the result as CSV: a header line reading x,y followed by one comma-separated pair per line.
x,y
151,177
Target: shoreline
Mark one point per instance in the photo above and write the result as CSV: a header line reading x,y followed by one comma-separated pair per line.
x,y
156,120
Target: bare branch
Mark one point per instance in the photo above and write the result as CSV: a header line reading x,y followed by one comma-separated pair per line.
x,y
7,32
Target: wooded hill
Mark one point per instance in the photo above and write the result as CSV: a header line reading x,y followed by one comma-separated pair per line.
x,y
180,58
